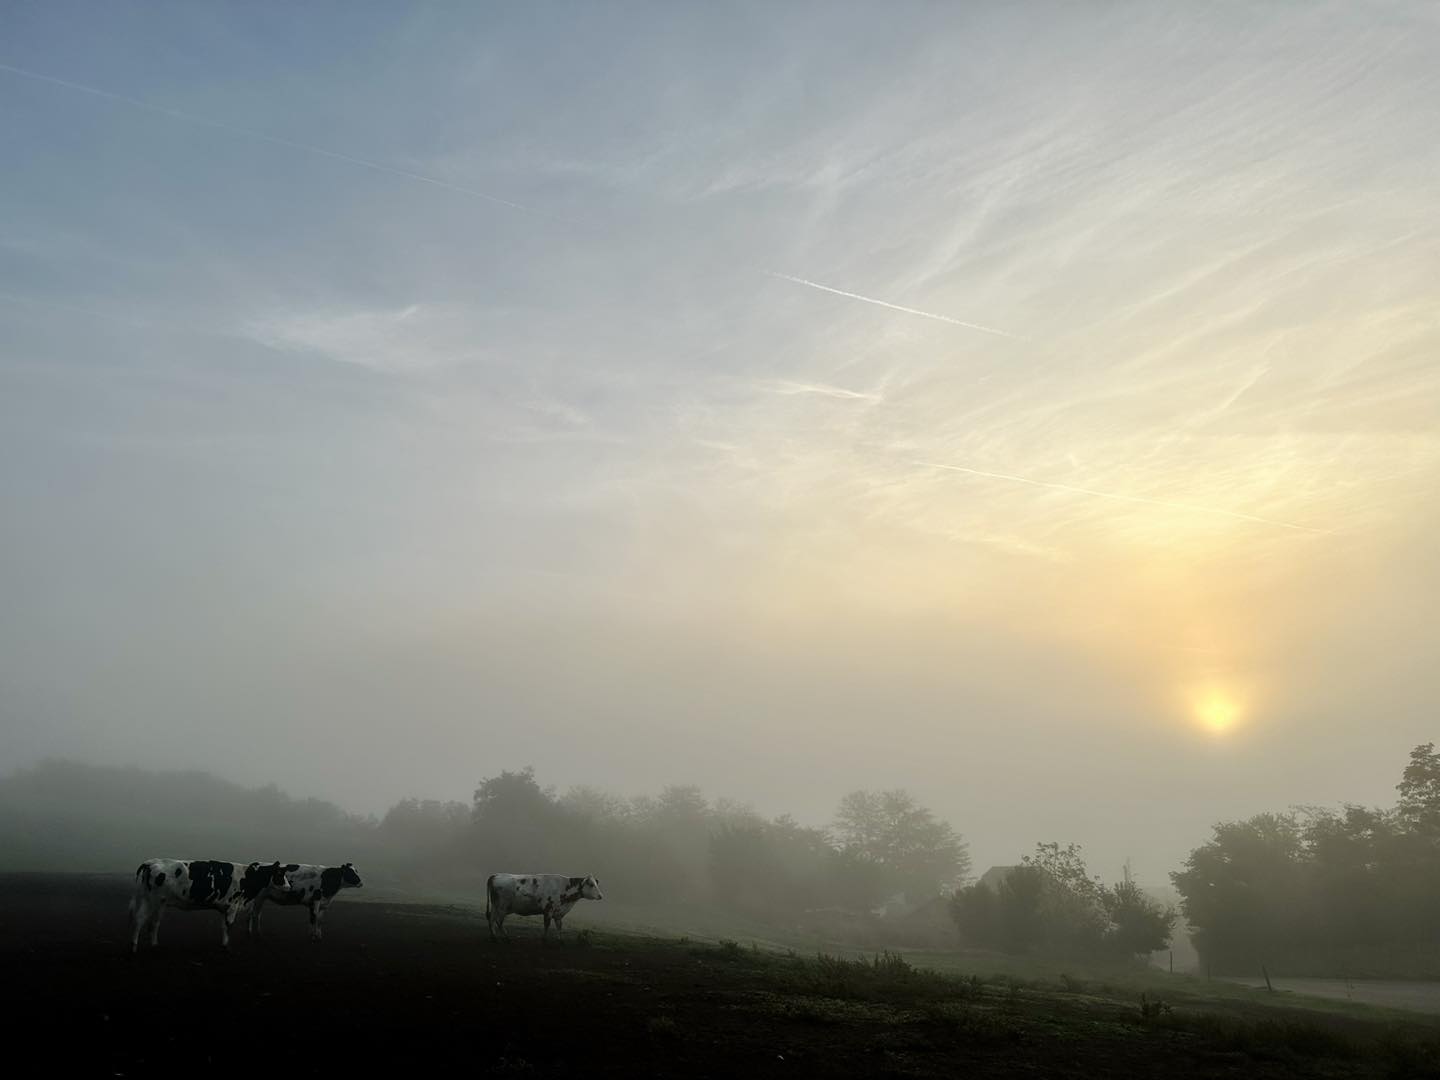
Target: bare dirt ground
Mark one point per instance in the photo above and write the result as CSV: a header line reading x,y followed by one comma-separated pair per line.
x,y
413,987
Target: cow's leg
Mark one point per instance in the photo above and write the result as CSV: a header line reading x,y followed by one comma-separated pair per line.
x,y
159,910
500,925
545,934
139,916
252,925
559,925
228,920
317,914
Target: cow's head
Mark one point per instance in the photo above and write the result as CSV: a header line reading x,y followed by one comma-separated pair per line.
x,y
276,877
349,879
590,888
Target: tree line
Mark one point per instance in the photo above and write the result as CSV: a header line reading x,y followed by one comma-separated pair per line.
x,y
1315,890
673,847
1303,890
882,852
679,847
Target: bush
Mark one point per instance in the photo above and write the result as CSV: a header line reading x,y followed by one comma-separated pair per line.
x,y
1051,903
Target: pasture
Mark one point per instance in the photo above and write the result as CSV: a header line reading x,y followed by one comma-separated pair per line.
x,y
418,985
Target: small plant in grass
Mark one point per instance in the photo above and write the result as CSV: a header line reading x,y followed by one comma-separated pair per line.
x,y
661,1025
1153,1010
512,1066
892,966
969,1023
968,988
583,940
1071,985
886,977
730,950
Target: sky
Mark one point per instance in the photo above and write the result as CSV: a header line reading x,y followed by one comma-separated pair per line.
x,y
1035,406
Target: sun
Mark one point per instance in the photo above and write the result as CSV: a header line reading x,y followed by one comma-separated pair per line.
x,y
1217,712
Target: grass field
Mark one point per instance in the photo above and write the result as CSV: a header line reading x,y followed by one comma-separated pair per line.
x,y
419,985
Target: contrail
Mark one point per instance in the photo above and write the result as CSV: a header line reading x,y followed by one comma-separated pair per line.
x,y
1122,498
434,181
319,151
892,307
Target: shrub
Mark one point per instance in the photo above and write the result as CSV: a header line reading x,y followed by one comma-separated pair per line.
x,y
661,1025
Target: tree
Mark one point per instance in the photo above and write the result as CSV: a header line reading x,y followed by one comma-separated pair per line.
x,y
594,804
1051,902
512,796
519,824
1315,889
424,824
1419,789
1072,911
975,910
1138,924
1022,909
1246,891
919,854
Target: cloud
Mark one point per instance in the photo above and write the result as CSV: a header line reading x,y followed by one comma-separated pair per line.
x,y
892,307
787,387
410,340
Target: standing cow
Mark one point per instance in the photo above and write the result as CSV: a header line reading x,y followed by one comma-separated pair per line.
x,y
550,895
196,885
310,884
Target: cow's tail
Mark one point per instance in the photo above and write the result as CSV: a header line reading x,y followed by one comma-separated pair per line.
x,y
489,895
142,883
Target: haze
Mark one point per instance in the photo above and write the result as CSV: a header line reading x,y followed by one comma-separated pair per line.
x,y
389,398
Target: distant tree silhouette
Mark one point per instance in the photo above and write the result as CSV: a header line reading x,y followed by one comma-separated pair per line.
x,y
919,854
1050,903
1323,890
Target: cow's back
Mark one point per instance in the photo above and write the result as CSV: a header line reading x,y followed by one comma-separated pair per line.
x,y
188,883
524,894
305,884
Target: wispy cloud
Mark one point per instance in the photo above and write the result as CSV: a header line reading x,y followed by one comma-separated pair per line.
x,y
414,339
789,388
1121,497
887,304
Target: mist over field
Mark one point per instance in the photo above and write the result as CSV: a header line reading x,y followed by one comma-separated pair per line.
x,y
844,447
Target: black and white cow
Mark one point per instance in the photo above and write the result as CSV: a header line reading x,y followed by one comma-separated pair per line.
x,y
550,895
198,884
310,884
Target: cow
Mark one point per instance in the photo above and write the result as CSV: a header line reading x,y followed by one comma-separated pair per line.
x,y
197,884
312,885
550,895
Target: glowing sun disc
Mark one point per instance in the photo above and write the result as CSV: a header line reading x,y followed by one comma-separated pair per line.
x,y
1217,713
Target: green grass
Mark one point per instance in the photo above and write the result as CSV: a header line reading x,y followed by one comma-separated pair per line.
x,y
948,998
735,939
